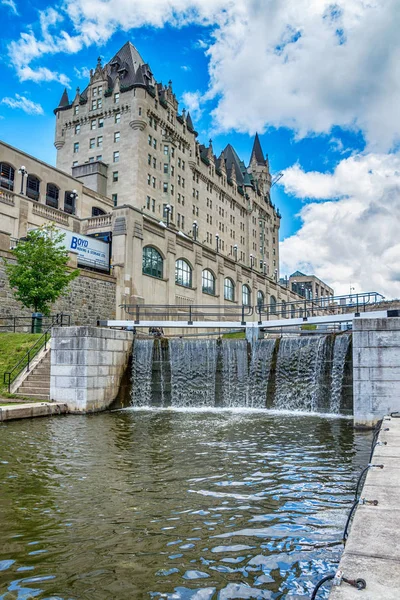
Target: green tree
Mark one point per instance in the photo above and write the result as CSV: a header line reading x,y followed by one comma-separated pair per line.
x,y
40,274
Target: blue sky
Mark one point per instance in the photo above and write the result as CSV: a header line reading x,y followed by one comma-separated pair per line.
x,y
303,76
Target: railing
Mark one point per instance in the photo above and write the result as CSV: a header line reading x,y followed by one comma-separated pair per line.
x,y
54,214
329,305
7,197
189,313
10,376
25,324
96,222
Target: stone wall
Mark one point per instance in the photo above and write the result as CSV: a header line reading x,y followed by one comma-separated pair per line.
x,y
90,297
87,365
376,369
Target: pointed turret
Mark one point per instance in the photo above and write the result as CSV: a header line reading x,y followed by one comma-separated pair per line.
x,y
64,99
189,122
257,153
138,80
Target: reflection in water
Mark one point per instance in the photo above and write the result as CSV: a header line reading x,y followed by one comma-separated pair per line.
x,y
177,505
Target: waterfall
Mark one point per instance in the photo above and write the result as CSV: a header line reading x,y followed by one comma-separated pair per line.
x,y
142,363
299,372
235,373
193,369
340,348
260,367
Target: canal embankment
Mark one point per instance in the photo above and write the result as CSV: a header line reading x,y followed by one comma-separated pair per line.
x,y
372,550
27,410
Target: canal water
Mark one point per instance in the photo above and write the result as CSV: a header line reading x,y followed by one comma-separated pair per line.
x,y
175,504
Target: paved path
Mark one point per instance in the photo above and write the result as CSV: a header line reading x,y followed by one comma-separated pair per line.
x,y
32,409
372,550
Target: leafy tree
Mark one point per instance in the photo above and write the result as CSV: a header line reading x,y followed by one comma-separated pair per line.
x,y
40,274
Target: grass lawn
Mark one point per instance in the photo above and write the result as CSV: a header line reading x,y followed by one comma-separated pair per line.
x,y
239,335
13,346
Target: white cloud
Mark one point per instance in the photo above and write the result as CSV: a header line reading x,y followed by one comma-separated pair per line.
x,y
186,68
28,106
191,101
351,236
82,73
11,5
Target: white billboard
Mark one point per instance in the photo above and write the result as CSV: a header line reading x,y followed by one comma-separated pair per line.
x,y
91,251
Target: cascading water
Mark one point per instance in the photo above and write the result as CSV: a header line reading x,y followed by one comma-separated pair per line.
x,y
142,361
193,369
235,373
340,348
299,371
260,368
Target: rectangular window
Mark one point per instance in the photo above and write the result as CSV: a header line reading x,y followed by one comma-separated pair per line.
x,y
114,198
183,200
117,136
179,198
165,149
99,157
148,179
183,222
165,187
117,117
74,164
99,103
183,165
165,167
178,220
172,152
94,92
172,189
172,170
100,90
93,124
155,144
183,182
77,129
116,98
154,163
148,200
149,159
179,180
101,122
92,142
100,141
179,162
94,104
150,139
76,147
76,110
115,175
91,158
153,205
154,182
116,156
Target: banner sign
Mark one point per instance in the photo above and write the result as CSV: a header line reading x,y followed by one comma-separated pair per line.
x,y
91,251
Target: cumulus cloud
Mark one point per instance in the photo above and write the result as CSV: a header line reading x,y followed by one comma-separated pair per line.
x,y
350,231
22,103
11,5
82,73
191,101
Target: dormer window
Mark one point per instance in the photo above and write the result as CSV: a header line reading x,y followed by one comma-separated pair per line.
x,y
76,109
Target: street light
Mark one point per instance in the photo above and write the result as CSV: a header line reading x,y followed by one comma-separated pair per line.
x,y
168,209
217,240
195,229
73,195
23,172
235,251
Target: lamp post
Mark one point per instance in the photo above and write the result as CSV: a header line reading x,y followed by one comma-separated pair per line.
x,y
73,195
22,170
195,229
168,212
235,251
217,241
251,261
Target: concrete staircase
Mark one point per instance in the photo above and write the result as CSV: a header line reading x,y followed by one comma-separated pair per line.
x,y
37,384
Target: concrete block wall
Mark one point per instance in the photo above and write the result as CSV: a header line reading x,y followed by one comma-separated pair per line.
x,y
376,369
87,365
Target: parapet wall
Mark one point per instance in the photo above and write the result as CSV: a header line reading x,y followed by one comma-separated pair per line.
x,y
87,364
376,369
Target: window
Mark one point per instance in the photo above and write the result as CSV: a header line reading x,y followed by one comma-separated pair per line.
x,y
172,189
150,140
172,152
96,211
76,147
52,193
114,198
93,124
172,169
154,143
260,299
100,90
154,182
208,282
229,289
154,163
69,202
272,305
92,142
165,187
100,141
115,176
183,273
77,129
165,149
32,187
116,156
149,159
152,262
99,157
76,109
148,179
183,165
75,163
165,167
117,117
246,295
91,158
101,122
116,98
117,136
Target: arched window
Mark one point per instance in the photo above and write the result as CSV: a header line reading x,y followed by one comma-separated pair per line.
x,y
152,262
96,211
69,202
260,298
293,311
183,273
33,187
284,309
52,193
272,305
208,282
7,174
229,289
246,295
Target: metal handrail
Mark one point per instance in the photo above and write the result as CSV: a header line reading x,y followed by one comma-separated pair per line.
x,y
10,376
189,313
16,323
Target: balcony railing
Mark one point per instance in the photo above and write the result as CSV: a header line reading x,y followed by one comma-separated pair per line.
x,y
53,214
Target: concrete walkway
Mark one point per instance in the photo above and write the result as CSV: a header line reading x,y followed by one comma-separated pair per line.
x,y
372,550
32,409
